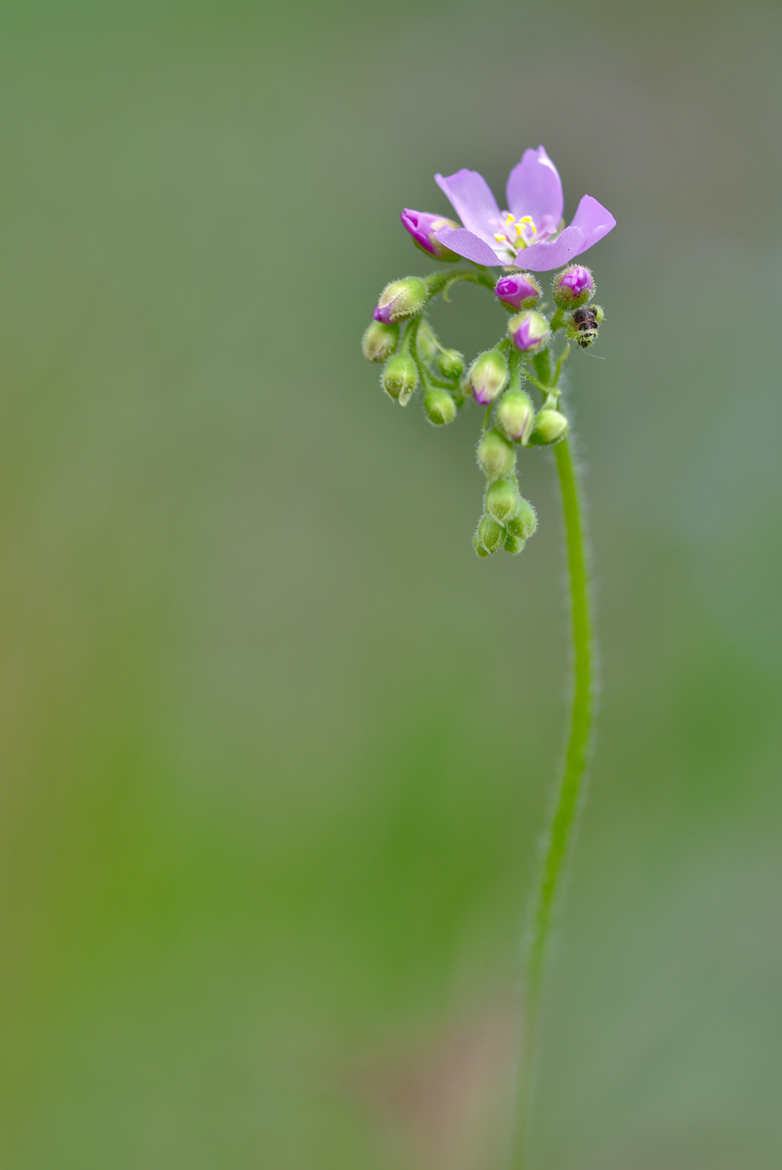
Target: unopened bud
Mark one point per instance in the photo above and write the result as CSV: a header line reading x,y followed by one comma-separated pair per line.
x,y
503,499
400,377
439,406
496,455
525,522
584,324
516,415
426,341
423,227
513,544
400,299
550,427
529,331
451,363
488,376
573,286
488,535
520,290
379,341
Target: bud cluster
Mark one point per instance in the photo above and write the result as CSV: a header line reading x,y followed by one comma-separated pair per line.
x,y
500,379
508,519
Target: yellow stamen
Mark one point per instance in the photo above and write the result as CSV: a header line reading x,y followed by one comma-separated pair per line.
x,y
523,224
500,238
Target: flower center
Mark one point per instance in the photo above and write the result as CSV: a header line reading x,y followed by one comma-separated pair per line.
x,y
519,233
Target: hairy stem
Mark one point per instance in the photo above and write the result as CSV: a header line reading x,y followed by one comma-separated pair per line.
x,y
441,281
560,830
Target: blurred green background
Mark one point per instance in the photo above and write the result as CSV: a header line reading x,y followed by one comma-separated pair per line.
x,y
277,748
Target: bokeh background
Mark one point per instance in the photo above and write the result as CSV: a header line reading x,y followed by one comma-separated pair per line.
x,y
276,747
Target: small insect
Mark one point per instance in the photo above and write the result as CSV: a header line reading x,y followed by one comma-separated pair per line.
x,y
586,322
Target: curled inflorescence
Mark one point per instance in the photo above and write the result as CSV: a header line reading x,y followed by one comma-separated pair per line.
x,y
527,360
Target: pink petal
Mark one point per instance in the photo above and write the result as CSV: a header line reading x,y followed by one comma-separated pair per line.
x,y
594,220
591,222
470,246
534,187
472,200
554,253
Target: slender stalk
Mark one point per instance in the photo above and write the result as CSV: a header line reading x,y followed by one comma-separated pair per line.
x,y
560,831
442,281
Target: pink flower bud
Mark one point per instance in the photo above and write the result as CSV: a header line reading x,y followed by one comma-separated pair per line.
x,y
529,331
488,376
423,227
401,299
520,290
573,286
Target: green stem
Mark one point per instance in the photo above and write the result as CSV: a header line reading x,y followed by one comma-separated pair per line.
x,y
541,363
410,345
442,281
560,363
560,832
514,370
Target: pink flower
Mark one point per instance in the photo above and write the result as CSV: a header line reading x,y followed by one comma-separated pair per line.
x,y
530,235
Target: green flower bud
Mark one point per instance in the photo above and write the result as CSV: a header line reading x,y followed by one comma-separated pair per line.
x,y
503,499
476,544
550,427
529,331
513,543
488,376
489,534
516,415
379,341
525,522
439,406
400,299
400,378
496,455
451,363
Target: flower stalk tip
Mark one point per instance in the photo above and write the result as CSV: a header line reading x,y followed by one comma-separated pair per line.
x,y
516,381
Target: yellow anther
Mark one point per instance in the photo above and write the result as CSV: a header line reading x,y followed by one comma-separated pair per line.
x,y
525,225
500,238
509,218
